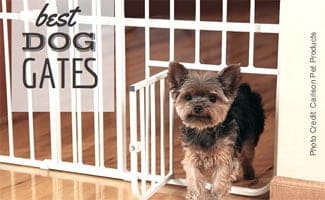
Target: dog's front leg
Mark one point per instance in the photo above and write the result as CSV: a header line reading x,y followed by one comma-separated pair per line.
x,y
221,182
195,183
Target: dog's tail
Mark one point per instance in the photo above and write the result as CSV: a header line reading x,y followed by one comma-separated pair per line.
x,y
245,88
256,109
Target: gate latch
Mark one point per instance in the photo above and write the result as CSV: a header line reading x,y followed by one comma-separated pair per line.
x,y
135,147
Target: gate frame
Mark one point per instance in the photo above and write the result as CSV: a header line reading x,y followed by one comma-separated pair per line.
x,y
119,21
55,162
198,25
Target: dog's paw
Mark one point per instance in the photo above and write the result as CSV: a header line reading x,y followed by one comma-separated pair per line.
x,y
215,196
196,196
234,177
191,195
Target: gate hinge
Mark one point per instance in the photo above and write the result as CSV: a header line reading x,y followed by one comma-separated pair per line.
x,y
135,147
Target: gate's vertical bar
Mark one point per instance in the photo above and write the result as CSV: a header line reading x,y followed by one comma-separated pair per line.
x,y
153,130
224,34
98,92
29,93
79,103
147,38
95,90
171,30
120,84
144,168
251,34
54,98
8,75
162,127
147,151
171,105
100,85
147,75
197,30
73,99
133,142
171,135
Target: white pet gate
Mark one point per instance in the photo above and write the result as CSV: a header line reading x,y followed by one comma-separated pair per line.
x,y
142,100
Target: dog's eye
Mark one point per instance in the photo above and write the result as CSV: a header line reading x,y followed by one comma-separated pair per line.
x,y
188,97
212,98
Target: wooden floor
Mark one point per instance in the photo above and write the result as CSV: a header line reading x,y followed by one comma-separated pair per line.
x,y
28,183
22,183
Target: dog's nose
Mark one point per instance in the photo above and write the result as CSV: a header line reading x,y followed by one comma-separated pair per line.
x,y
197,109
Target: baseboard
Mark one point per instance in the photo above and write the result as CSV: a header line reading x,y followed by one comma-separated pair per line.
x,y
283,188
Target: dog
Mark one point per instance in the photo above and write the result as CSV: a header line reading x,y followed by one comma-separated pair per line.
x,y
222,122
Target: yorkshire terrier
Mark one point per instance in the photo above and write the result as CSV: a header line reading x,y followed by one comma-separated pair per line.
x,y
222,122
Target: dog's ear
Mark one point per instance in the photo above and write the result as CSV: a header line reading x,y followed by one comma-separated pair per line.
x,y
176,75
229,78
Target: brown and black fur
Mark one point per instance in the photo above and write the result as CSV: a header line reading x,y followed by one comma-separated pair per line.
x,y
222,121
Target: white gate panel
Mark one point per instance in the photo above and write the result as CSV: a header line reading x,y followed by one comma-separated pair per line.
x,y
146,87
148,172
141,136
97,22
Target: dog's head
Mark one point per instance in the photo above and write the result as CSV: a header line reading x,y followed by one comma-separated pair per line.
x,y
202,99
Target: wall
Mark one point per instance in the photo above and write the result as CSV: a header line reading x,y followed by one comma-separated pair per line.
x,y
301,92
